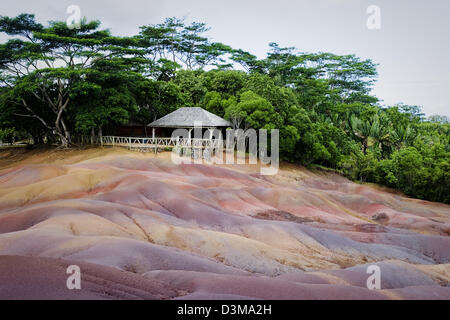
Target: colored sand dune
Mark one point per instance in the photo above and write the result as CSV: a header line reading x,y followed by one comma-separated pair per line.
x,y
141,227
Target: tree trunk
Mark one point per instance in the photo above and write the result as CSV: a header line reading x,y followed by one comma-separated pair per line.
x,y
92,135
66,131
64,135
64,140
364,147
100,135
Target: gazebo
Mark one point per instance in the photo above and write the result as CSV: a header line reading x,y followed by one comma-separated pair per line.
x,y
187,118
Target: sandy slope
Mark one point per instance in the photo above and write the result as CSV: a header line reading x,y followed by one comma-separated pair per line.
x,y
142,228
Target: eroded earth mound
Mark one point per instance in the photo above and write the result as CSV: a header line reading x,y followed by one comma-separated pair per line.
x,y
141,227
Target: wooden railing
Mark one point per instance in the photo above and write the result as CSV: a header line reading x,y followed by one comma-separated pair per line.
x,y
161,143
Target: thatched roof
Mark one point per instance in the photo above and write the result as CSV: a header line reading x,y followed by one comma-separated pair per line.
x,y
186,118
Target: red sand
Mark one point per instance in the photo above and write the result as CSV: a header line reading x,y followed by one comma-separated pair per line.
x,y
140,227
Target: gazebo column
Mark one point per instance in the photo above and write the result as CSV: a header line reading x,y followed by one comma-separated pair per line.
x,y
189,144
153,133
209,149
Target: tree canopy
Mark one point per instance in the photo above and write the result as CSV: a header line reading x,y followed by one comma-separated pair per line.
x,y
56,82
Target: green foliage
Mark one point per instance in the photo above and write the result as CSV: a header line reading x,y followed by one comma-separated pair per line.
x,y
7,135
260,114
55,66
56,81
155,99
213,103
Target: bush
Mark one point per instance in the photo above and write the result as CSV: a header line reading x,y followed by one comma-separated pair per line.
x,y
7,135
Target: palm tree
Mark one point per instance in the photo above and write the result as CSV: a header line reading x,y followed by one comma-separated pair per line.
x,y
374,132
402,136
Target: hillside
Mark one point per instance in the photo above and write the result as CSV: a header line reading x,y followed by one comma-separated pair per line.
x,y
140,227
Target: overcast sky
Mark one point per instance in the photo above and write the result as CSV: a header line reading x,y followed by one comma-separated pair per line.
x,y
412,47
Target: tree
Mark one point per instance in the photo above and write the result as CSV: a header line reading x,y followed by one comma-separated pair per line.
x,y
48,62
439,119
192,86
55,81
260,114
226,82
183,45
236,115
7,135
213,103
155,99
279,97
372,132
246,60
410,171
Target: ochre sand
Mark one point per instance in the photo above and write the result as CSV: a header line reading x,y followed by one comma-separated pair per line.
x,y
141,227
